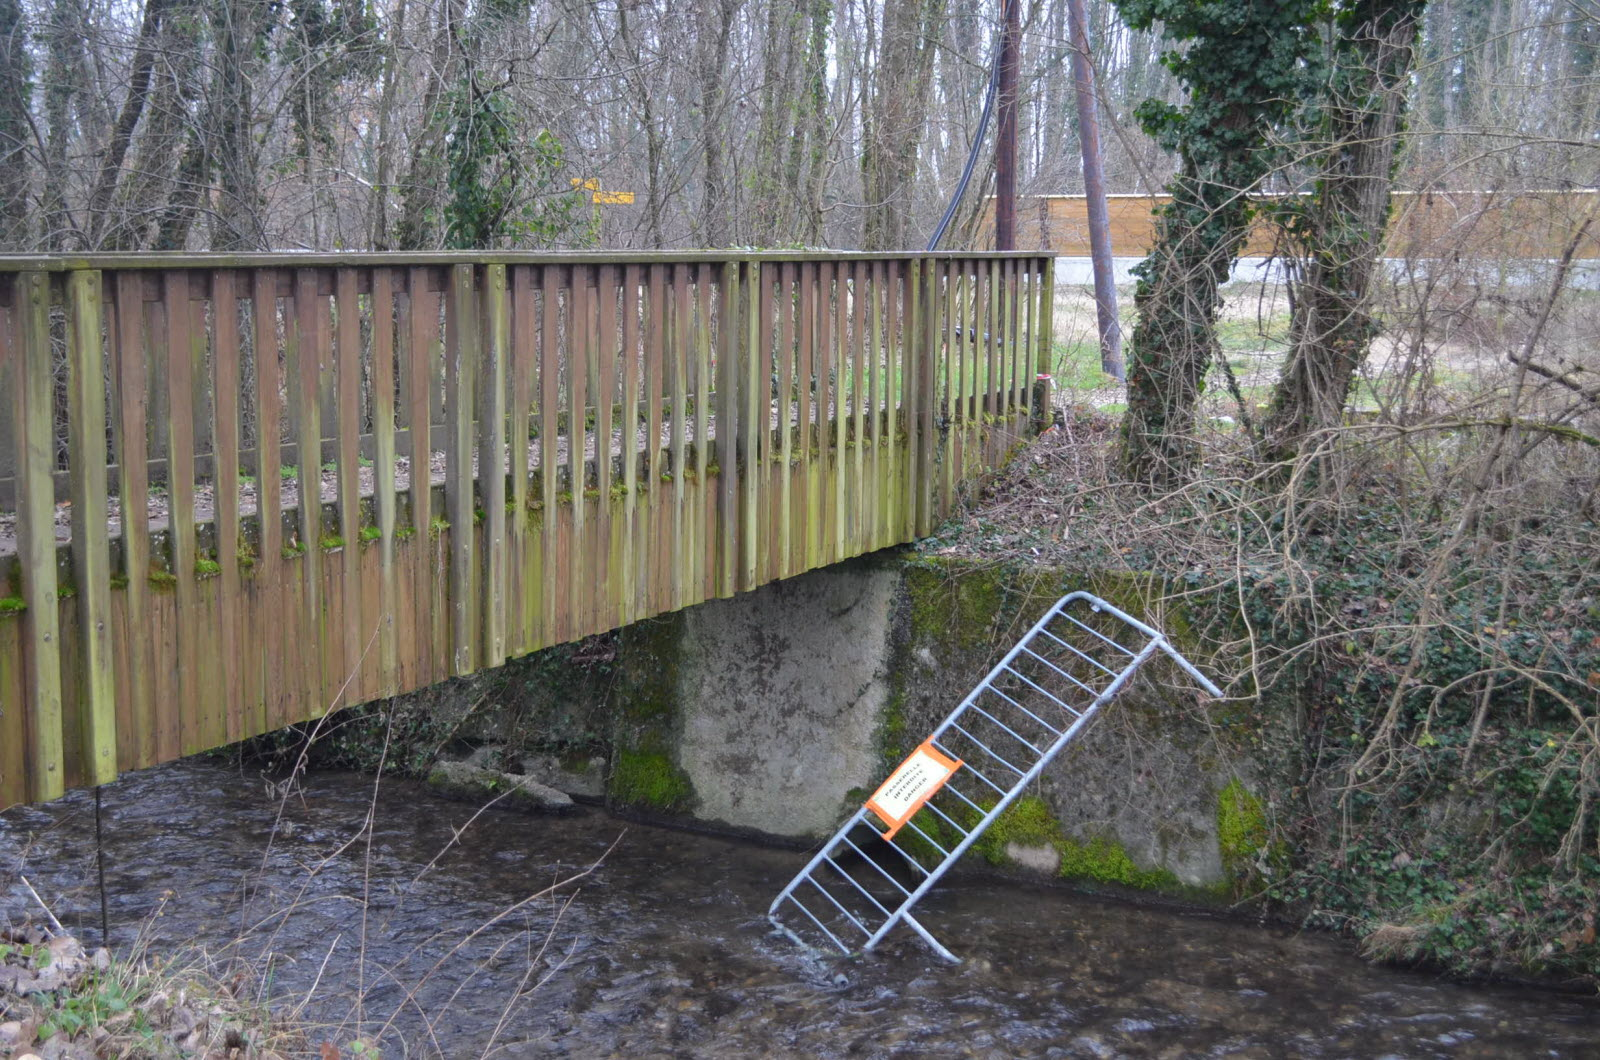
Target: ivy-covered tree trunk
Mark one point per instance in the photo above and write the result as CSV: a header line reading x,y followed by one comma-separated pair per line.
x,y
1245,70
1341,229
1198,236
894,117
15,89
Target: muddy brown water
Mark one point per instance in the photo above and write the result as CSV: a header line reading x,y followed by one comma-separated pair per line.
x,y
663,949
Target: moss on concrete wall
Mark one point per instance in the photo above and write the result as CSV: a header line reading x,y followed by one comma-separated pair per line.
x,y
649,780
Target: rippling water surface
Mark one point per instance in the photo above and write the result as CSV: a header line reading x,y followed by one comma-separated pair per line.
x,y
436,937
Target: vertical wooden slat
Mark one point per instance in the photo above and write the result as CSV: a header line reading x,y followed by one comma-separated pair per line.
x,y
307,349
354,633
182,725
422,328
496,338
805,556
225,357
549,425
949,291
268,571
654,373
580,318
901,283
861,298
654,580
605,401
785,565
911,328
755,389
1026,291
15,745
729,334
632,605
461,364
1013,340
383,461
36,541
677,373
133,492
841,424
663,359
1046,351
704,569
980,345
926,380
1002,347
524,335
827,456
993,383
874,505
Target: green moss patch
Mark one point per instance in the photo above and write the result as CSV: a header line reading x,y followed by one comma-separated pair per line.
x,y
1027,822
1104,861
953,602
1241,829
649,779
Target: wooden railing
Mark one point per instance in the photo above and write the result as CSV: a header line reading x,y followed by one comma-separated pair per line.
x,y
604,438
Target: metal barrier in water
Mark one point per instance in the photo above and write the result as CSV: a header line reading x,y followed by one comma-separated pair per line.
x,y
979,759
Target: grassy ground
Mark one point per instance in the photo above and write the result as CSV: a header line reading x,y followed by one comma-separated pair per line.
x,y
56,1000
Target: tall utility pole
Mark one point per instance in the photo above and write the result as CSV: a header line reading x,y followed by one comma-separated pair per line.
x,y
1094,191
1005,141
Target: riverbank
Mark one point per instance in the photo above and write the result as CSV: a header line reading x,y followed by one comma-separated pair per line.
x,y
60,1002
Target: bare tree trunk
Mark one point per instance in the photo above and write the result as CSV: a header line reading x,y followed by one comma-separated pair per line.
x,y
1348,213
133,104
654,148
15,92
236,25
388,135
65,82
716,23
1094,190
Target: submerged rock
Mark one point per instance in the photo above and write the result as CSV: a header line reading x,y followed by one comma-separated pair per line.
x,y
583,777
469,783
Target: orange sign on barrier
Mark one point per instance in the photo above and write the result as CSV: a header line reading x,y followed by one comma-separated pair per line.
x,y
916,781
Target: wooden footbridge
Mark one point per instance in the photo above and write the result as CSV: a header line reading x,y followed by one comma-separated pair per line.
x,y
238,492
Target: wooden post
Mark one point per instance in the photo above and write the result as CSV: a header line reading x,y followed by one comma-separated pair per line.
x,y
492,462
347,463
133,492
753,424
728,331
225,372
383,459
1043,396
36,538
422,331
91,539
182,722
460,377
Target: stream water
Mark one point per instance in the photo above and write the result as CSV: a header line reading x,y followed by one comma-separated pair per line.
x,y
441,938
